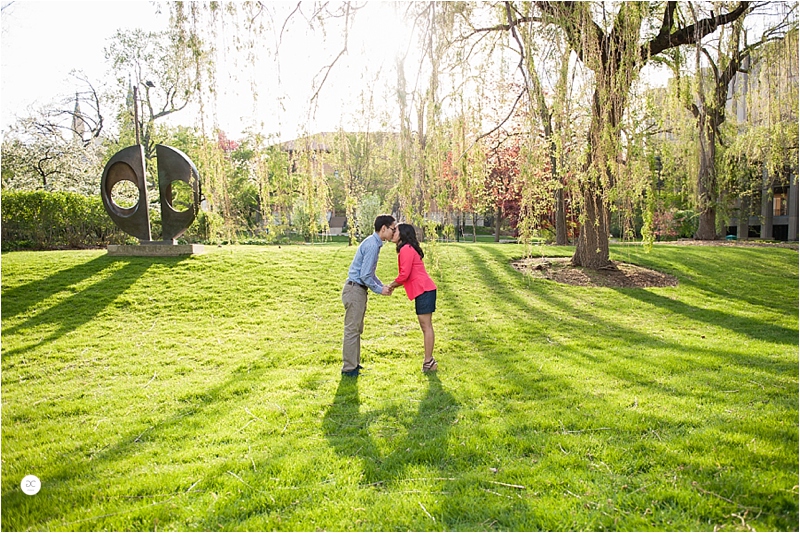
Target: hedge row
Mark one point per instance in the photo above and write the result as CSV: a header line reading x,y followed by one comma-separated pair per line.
x,y
41,220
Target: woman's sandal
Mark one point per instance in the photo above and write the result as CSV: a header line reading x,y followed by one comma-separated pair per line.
x,y
430,366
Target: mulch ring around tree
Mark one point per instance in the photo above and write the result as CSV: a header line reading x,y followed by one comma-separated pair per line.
x,y
622,275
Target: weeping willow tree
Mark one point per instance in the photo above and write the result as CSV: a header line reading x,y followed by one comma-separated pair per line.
x,y
363,162
711,110
463,171
613,41
247,36
554,93
765,143
350,152
421,148
611,46
716,64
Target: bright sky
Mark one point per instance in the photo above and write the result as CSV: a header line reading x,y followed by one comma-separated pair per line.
x,y
42,41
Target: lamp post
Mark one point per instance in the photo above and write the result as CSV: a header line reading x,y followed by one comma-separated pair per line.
x,y
136,113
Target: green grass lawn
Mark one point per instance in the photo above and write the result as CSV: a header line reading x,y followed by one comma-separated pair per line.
x,y
205,394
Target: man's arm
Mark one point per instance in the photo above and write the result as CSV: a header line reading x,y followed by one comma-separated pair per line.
x,y
368,266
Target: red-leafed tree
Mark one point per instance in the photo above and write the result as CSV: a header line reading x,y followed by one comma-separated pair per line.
x,y
502,183
225,144
463,191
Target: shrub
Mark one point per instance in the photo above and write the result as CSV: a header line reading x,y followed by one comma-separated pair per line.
x,y
687,223
41,220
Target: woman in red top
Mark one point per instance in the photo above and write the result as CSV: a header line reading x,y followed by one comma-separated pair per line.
x,y
418,285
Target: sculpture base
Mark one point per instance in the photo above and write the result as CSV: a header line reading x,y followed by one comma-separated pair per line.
x,y
163,249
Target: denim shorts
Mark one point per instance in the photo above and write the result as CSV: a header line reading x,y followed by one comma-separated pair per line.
x,y
426,302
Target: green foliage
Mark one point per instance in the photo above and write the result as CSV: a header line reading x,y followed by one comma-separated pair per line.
x,y
369,207
364,162
166,69
206,228
303,220
649,229
204,394
43,220
687,223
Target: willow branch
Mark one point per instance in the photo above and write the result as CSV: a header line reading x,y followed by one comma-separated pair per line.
x,y
513,25
484,135
690,34
285,22
668,21
343,51
504,27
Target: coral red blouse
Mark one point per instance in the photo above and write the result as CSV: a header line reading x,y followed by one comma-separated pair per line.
x,y
411,273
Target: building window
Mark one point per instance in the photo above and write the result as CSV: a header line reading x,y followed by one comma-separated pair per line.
x,y
779,205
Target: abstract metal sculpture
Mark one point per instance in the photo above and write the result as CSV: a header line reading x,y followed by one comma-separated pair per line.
x,y
173,165
127,165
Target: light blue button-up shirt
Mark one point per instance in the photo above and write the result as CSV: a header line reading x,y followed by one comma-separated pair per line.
x,y
362,269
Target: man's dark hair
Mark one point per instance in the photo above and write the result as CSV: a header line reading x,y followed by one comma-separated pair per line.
x,y
383,220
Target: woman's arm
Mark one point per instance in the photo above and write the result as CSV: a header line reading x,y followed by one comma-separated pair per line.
x,y
404,261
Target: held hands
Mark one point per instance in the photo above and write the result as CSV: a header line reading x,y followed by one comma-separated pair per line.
x,y
389,289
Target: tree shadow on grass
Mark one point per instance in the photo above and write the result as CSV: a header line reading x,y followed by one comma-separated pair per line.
x,y
681,356
590,363
753,269
19,299
82,306
751,327
74,477
636,371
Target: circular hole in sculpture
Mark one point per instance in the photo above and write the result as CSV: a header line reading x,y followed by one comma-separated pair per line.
x,y
125,194
181,195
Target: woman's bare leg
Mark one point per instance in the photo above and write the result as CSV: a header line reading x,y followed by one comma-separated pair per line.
x,y
426,323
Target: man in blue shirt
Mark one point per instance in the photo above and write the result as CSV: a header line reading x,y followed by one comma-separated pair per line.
x,y
361,278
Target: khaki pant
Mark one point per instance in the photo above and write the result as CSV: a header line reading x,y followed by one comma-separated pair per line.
x,y
354,298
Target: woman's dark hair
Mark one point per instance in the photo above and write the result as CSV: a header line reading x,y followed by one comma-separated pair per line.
x,y
408,235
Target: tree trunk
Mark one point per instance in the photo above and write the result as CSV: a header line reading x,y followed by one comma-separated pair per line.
x,y
561,219
591,250
743,225
766,205
474,227
498,218
707,181
546,118
592,246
